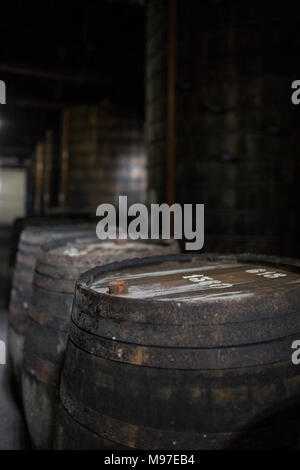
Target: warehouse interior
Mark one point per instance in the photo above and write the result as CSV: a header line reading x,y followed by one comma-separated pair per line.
x,y
164,101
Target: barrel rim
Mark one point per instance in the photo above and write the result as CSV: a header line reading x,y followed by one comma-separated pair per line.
x,y
91,274
51,245
230,310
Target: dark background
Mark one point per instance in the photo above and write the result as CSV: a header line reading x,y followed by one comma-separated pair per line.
x,y
210,82
57,53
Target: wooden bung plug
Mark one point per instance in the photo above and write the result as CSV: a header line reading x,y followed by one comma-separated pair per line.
x,y
117,287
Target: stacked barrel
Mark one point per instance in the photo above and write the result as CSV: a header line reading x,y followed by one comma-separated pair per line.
x,y
236,130
59,265
50,259
30,242
103,156
163,352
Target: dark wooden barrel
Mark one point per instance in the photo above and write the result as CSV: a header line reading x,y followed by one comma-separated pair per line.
x,y
197,355
103,155
59,264
30,241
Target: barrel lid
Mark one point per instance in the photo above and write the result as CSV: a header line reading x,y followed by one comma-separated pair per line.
x,y
87,245
61,261
203,280
215,288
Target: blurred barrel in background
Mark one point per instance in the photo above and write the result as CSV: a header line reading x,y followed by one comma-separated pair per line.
x,y
103,156
156,98
44,175
193,354
30,241
51,170
59,265
37,179
236,136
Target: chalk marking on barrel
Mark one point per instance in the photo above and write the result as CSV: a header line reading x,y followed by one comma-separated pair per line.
x,y
128,276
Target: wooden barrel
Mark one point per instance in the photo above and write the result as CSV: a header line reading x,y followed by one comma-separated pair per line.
x,y
103,156
59,264
51,170
30,241
196,355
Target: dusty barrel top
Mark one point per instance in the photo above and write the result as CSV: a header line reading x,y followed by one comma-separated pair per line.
x,y
86,250
207,280
202,278
85,246
37,235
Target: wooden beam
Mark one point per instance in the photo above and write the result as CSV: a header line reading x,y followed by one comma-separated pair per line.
x,y
52,75
39,104
171,103
63,190
29,124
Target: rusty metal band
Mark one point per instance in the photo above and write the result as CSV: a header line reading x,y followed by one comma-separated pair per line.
x,y
183,358
146,438
41,370
28,246
55,285
47,320
23,284
26,259
64,432
59,268
17,320
183,335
